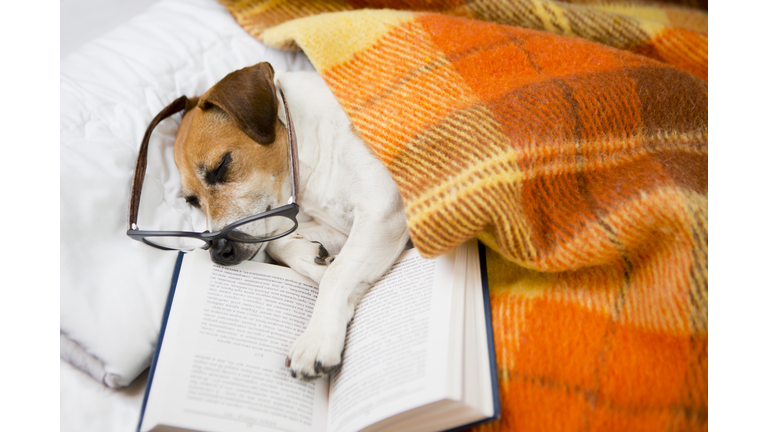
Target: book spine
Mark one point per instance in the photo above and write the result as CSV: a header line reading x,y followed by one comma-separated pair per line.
x,y
489,331
156,355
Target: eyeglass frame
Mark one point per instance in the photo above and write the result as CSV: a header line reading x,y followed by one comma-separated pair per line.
x,y
289,210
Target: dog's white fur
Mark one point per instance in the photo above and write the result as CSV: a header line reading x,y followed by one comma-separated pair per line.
x,y
358,214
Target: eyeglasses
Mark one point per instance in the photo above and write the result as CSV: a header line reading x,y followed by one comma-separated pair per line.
x,y
263,227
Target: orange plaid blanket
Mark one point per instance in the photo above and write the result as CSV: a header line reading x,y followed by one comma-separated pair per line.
x,y
571,138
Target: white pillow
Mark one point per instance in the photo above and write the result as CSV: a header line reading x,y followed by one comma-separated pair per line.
x,y
113,289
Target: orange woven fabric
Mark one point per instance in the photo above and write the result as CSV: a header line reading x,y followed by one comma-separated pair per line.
x,y
672,32
582,166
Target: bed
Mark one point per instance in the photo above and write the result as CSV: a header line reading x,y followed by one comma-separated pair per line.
x,y
599,321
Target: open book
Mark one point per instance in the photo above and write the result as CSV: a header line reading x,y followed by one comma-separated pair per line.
x,y
418,354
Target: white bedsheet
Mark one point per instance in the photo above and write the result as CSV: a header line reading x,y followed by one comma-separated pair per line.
x,y
113,289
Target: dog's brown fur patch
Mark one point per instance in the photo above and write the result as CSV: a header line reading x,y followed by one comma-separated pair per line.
x,y
235,119
204,137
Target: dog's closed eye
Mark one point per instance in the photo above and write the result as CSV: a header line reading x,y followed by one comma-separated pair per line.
x,y
193,201
216,175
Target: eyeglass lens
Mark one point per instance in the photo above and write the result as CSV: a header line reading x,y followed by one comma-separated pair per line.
x,y
261,229
250,232
175,242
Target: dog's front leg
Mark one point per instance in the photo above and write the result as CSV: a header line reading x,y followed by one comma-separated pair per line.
x,y
371,249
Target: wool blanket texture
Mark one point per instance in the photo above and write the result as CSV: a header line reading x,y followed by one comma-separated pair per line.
x,y
570,137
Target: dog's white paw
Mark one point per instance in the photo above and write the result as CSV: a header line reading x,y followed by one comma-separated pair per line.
x,y
317,352
322,257
308,258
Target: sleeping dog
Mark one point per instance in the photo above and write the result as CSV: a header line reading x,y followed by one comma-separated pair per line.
x,y
232,152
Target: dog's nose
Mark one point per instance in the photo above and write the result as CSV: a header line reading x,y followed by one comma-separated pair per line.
x,y
223,252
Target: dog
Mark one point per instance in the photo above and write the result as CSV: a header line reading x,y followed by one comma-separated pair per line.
x,y
231,149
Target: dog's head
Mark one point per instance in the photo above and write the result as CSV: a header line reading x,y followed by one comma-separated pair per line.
x,y
232,153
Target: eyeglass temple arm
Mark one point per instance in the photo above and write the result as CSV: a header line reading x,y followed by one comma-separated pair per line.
x,y
141,161
293,160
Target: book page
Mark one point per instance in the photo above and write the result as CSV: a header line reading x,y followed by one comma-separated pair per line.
x,y
397,345
222,361
468,361
476,400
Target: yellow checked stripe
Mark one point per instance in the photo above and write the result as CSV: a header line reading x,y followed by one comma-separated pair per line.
x,y
352,32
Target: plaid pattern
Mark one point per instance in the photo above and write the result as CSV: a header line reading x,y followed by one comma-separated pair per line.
x,y
672,32
584,168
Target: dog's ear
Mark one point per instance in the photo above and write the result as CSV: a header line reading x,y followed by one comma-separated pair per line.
x,y
189,104
248,97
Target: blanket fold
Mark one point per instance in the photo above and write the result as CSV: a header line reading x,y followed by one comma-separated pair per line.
x,y
672,32
583,166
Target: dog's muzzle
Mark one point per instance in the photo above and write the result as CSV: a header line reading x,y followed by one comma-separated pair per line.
x,y
225,252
